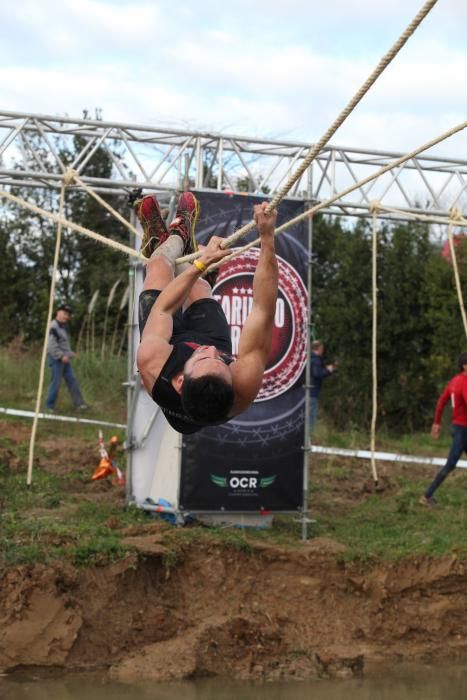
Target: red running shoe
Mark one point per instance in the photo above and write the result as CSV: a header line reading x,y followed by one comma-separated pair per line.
x,y
185,220
155,231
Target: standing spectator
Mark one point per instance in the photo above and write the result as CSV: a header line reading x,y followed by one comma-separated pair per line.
x,y
59,354
319,372
456,390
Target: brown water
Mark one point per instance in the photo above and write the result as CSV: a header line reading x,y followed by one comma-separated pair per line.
x,y
413,684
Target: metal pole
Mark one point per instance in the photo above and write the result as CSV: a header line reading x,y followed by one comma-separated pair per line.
x,y
199,165
306,430
185,177
131,354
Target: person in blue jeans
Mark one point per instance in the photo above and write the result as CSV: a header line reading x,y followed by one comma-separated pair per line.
x,y
319,372
59,355
455,393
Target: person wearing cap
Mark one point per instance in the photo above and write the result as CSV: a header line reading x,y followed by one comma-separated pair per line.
x,y
59,354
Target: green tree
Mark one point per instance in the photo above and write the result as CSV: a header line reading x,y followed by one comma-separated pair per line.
x,y
405,384
27,244
342,312
448,335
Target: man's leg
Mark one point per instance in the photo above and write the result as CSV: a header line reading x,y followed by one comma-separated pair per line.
x,y
457,447
73,386
56,367
163,246
166,248
169,244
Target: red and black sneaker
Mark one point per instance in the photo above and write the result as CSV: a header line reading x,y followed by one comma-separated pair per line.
x,y
185,220
150,217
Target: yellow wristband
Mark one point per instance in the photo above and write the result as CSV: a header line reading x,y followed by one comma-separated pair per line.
x,y
200,265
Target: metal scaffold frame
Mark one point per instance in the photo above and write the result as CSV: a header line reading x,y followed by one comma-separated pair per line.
x,y
158,158
162,159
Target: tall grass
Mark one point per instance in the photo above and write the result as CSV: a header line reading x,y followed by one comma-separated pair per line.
x,y
100,381
106,317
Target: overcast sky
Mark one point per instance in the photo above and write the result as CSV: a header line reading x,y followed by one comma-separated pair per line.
x,y
263,69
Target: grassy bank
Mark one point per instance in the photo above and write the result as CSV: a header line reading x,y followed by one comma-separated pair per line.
x,y
64,514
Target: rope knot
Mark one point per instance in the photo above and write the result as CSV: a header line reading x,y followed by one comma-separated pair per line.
x,y
374,206
455,214
69,176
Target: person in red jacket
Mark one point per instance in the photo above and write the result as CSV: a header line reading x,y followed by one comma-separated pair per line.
x,y
456,392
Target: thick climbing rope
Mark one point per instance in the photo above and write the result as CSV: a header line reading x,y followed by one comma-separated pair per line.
x,y
456,216
317,148
58,241
374,341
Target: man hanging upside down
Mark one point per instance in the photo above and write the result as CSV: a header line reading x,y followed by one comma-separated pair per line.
x,y
184,357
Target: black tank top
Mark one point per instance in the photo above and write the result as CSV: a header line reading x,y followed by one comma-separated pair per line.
x,y
164,394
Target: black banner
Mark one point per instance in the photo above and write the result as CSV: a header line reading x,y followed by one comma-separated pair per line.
x,y
254,463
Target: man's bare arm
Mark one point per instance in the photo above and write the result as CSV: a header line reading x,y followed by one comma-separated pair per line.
x,y
256,338
176,293
154,348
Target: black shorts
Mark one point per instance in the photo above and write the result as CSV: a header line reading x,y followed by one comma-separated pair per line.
x,y
204,322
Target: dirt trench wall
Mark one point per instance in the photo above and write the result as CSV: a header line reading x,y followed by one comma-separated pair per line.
x,y
265,614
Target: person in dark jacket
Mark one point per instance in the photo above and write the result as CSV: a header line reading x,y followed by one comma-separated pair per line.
x,y
319,372
59,355
456,394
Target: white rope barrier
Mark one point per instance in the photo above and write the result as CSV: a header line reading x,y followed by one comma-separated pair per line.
x,y
53,416
382,456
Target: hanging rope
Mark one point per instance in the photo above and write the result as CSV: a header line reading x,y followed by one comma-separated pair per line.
x,y
374,342
317,148
456,216
58,241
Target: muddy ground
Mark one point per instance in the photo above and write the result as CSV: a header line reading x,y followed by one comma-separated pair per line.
x,y
266,612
